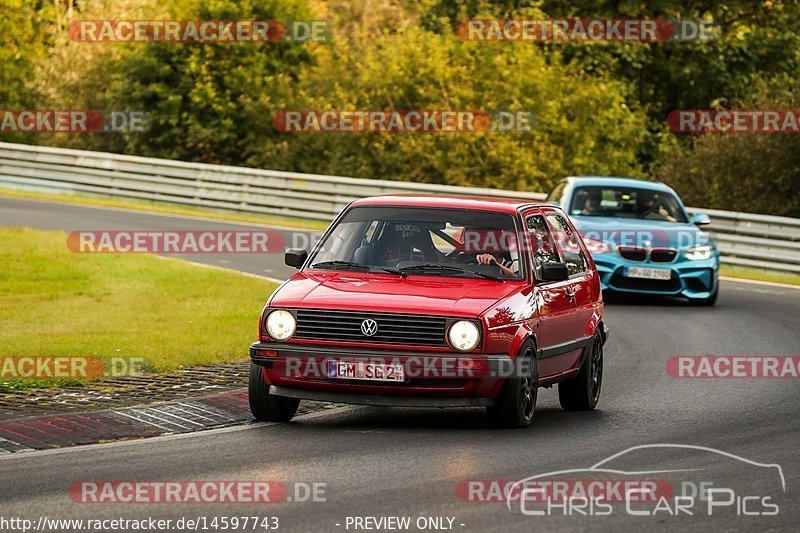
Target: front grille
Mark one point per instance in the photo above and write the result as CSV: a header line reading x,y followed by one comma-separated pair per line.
x,y
633,254
392,329
662,255
655,285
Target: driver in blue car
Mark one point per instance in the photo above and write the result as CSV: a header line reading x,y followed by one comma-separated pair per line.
x,y
649,207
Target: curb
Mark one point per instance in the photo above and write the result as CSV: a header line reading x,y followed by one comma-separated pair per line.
x,y
167,418
70,429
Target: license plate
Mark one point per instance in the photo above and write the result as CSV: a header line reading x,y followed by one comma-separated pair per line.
x,y
365,371
647,273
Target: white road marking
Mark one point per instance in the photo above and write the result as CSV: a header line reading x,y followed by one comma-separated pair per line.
x,y
162,410
192,410
140,421
16,445
225,269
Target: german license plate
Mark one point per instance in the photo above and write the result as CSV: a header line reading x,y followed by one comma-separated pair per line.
x,y
647,273
363,370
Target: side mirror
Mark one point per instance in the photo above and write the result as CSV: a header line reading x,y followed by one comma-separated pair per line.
x,y
701,219
555,271
295,257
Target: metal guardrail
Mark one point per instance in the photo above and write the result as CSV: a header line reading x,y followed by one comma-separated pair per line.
x,y
759,241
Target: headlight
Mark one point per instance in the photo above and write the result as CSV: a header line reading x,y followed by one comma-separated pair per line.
x,y
699,253
281,324
463,335
597,247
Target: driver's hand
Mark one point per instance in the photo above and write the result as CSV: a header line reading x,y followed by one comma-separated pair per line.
x,y
486,259
664,213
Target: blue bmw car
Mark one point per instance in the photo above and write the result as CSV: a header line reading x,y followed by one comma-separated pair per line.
x,y
641,237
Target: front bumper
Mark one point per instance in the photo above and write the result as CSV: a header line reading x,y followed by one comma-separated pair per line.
x,y
436,379
378,399
690,279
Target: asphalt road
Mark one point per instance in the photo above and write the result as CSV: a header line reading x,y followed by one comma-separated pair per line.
x,y
395,462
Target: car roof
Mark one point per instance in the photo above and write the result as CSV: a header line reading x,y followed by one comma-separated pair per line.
x,y
484,203
621,182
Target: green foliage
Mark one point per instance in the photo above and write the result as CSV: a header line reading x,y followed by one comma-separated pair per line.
x,y
751,172
205,101
26,31
583,125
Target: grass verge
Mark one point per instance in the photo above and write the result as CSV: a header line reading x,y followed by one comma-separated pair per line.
x,y
167,208
171,313
759,275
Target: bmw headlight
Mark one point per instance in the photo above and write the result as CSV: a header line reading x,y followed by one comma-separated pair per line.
x,y
700,252
463,335
280,324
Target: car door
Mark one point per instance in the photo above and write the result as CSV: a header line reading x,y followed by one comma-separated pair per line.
x,y
554,301
580,292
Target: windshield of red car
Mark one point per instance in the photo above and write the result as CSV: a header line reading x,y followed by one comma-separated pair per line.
x,y
423,240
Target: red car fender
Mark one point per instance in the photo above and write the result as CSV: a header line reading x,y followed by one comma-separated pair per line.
x,y
524,333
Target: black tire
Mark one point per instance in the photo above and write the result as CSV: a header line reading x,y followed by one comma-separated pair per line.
x,y
265,406
583,391
514,407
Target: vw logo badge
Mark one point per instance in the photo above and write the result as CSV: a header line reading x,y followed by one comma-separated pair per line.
x,y
369,327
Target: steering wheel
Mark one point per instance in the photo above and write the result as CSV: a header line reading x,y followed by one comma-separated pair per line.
x,y
462,258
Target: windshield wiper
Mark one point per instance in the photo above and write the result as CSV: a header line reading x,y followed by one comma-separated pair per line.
x,y
448,268
343,265
392,271
339,264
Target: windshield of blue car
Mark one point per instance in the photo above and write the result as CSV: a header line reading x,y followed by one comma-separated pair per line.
x,y
626,202
420,240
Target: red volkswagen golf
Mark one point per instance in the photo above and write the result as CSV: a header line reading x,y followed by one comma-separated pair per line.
x,y
435,301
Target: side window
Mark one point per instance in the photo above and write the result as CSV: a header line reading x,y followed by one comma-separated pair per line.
x,y
568,244
540,243
555,195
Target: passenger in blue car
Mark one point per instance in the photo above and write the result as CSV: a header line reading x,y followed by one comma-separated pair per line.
x,y
591,205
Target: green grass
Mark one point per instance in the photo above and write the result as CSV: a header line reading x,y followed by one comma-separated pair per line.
x,y
54,302
759,275
167,208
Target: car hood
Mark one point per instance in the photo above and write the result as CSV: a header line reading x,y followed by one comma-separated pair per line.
x,y
640,232
429,295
